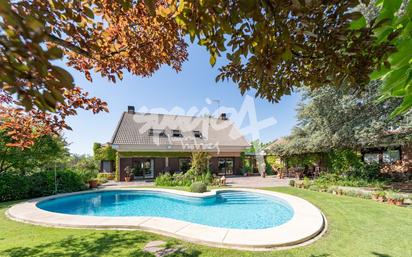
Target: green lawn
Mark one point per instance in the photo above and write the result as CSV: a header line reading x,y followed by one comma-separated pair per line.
x,y
357,227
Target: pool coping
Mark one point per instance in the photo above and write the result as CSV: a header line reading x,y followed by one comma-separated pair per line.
x,y
307,224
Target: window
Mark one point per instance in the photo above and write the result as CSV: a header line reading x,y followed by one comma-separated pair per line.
x,y
197,134
176,133
162,133
371,158
157,132
225,166
143,167
107,166
184,164
390,156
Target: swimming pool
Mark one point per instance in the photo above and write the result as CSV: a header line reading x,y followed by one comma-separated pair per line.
x,y
226,209
236,218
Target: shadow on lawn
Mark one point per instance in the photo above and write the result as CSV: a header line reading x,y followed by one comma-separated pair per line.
x,y
380,254
93,245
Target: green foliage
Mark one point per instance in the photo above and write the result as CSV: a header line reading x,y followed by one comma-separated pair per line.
x,y
15,187
275,162
292,183
183,179
177,179
393,195
245,170
107,176
302,160
344,162
104,153
273,47
86,167
47,152
200,163
336,119
331,179
198,187
393,27
87,175
117,168
42,183
370,171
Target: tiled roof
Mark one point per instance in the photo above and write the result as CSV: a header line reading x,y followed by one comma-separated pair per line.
x,y
133,129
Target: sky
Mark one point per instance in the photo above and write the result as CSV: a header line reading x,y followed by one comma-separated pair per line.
x,y
167,91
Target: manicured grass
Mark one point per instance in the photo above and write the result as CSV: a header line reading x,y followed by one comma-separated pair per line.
x,y
357,227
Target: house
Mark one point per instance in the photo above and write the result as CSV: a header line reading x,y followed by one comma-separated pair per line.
x,y
394,157
152,143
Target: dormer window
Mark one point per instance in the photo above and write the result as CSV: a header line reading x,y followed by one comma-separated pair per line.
x,y
176,133
150,132
162,133
197,133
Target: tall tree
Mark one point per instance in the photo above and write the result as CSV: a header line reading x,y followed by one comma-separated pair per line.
x,y
271,46
105,36
331,118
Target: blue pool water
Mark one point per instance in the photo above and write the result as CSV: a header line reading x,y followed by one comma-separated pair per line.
x,y
228,209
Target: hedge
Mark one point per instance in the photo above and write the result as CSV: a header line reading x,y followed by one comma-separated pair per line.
x,y
15,186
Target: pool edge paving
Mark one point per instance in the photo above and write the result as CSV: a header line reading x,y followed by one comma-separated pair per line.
x,y
307,224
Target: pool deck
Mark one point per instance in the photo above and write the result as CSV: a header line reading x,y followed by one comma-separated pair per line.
x,y
306,224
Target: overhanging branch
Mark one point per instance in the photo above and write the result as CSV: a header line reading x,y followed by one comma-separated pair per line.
x,y
67,45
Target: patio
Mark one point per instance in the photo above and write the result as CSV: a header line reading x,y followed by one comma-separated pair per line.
x,y
233,181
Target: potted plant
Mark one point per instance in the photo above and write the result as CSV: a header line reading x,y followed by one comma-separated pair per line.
x,y
395,198
93,183
379,196
128,174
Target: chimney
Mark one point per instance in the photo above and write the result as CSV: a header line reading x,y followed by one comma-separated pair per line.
x,y
223,116
130,109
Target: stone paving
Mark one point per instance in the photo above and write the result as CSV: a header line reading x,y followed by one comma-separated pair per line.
x,y
256,181
159,249
233,181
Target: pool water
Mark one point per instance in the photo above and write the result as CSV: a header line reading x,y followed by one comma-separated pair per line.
x,y
228,209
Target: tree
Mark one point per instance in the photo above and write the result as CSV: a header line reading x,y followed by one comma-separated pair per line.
x,y
46,152
271,46
276,46
106,36
200,163
24,127
392,25
330,118
104,153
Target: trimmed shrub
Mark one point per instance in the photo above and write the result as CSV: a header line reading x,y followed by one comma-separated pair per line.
x,y
42,183
291,183
15,187
198,187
